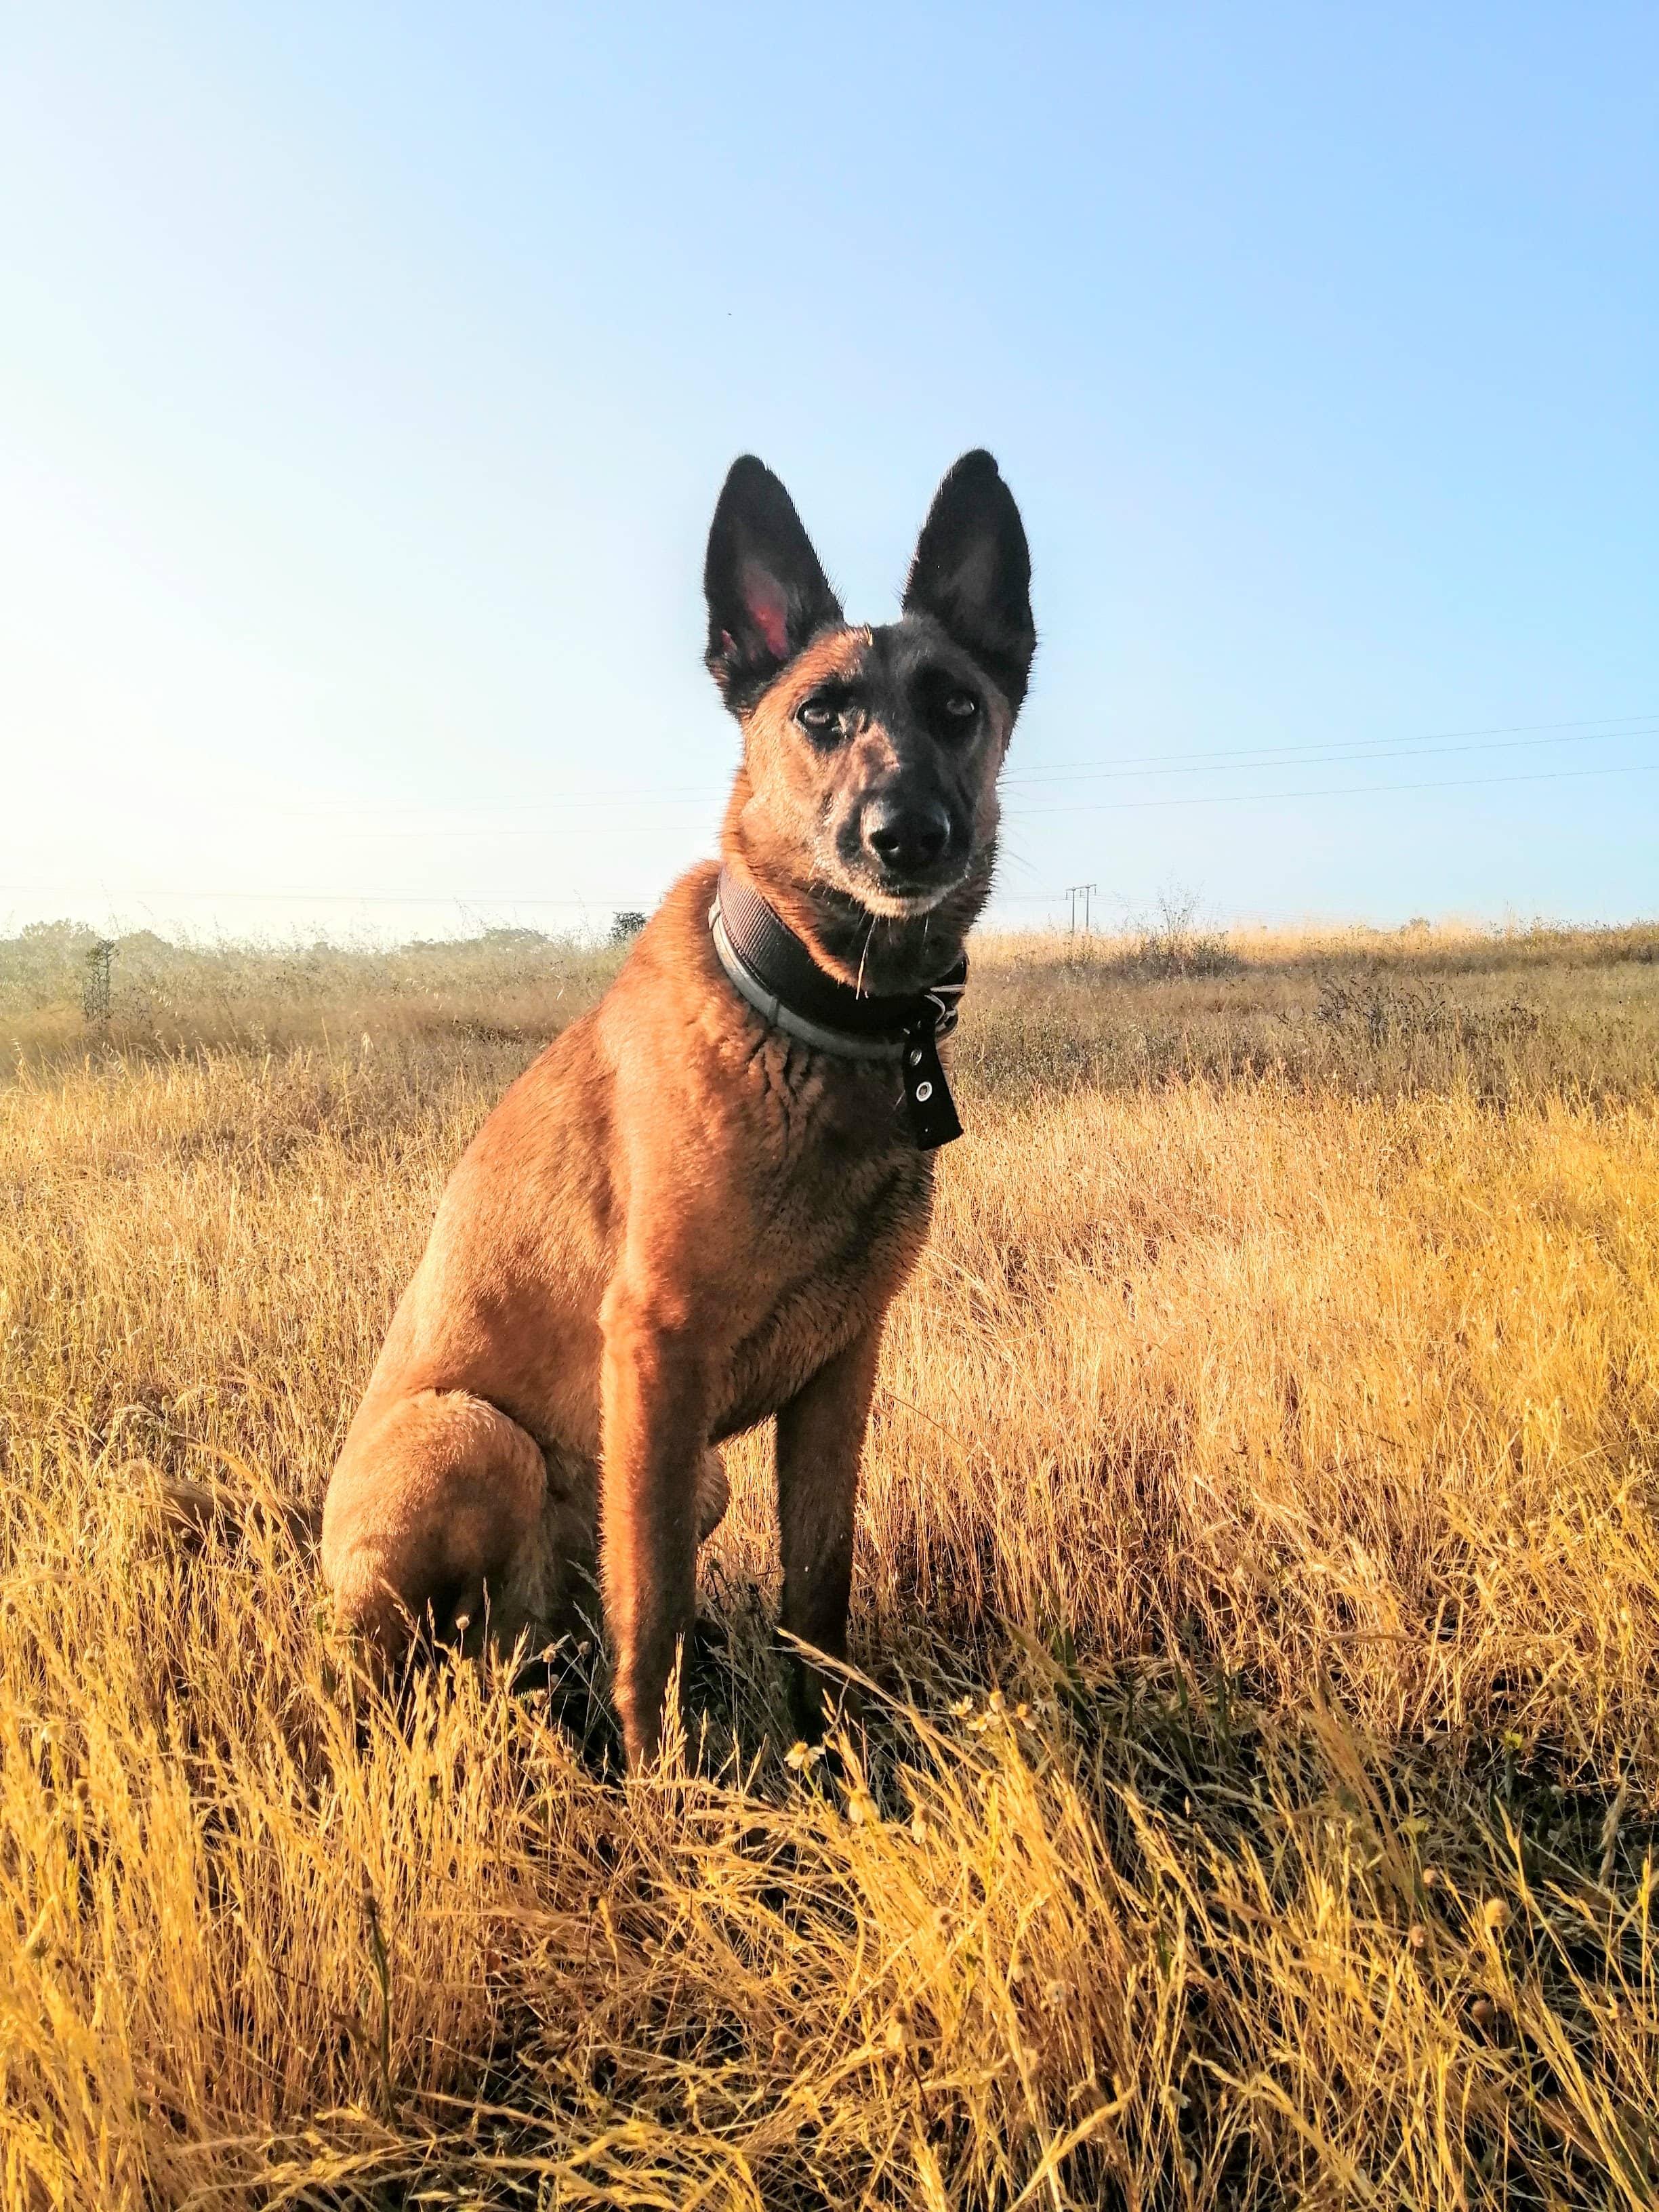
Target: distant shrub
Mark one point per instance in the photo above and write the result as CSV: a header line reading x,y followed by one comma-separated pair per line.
x,y
627,926
506,938
1382,1009
45,963
1175,944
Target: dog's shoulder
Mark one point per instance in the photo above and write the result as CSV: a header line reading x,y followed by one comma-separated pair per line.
x,y
709,1089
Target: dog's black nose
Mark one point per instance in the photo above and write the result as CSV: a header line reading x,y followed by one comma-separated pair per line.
x,y
906,838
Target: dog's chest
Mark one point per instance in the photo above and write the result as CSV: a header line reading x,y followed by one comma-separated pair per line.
x,y
838,1245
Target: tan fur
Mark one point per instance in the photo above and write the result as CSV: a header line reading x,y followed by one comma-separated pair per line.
x,y
676,1223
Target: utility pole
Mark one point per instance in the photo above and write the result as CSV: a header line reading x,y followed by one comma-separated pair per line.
x,y
1086,892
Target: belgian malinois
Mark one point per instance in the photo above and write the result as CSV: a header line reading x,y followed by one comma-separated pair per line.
x,y
694,1208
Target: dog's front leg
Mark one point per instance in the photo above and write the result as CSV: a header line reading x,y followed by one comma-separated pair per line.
x,y
820,1442
656,1414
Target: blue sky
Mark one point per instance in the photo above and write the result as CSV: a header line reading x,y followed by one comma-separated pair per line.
x,y
367,376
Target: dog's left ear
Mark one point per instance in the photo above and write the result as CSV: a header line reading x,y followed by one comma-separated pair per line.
x,y
767,590
972,573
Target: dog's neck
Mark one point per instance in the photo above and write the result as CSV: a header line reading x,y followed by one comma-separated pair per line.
x,y
878,954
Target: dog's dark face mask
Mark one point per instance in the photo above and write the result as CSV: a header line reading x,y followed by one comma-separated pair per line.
x,y
871,756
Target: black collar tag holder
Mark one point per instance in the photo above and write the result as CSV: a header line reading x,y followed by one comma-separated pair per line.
x,y
934,1119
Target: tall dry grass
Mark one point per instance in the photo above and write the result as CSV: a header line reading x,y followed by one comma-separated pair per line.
x,y
166,998
1258,1582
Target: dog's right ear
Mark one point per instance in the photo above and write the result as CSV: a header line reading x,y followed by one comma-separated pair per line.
x,y
767,594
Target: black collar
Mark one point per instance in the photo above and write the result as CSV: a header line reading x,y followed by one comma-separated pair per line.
x,y
775,971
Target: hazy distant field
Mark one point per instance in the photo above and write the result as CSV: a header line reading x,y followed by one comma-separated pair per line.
x,y
1258,1565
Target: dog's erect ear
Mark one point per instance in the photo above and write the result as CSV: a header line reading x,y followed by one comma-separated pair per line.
x,y
972,573
766,592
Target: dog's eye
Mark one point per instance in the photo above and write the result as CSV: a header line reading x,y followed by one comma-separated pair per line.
x,y
819,716
961,707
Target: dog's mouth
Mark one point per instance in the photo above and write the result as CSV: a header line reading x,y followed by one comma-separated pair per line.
x,y
894,904
894,896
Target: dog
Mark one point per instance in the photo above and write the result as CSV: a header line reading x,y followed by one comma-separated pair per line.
x,y
693,1209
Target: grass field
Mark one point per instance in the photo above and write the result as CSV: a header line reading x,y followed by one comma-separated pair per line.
x,y
1258,1575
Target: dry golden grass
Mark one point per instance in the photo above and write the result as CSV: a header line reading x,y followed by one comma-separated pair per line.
x,y
1258,1575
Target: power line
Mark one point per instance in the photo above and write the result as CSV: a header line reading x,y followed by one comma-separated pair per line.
x,y
667,795
463,828
1024,814
1596,724
1325,790
498,899
1498,736
1282,757
1110,775
1592,727
332,898
409,898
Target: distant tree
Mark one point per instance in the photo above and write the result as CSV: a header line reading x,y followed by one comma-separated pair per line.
x,y
627,924
45,964
508,938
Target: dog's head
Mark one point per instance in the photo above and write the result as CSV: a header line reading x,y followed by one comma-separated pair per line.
x,y
871,756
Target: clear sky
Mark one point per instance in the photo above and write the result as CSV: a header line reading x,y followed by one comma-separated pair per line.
x,y
367,375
